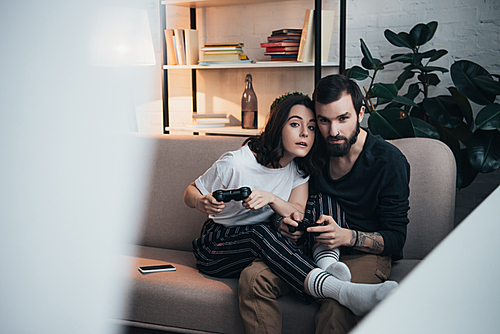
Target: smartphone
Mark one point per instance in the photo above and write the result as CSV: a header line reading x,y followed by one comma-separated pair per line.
x,y
156,269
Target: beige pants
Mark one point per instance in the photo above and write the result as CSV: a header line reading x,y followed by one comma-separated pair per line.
x,y
259,289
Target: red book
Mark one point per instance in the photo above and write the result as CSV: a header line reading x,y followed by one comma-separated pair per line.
x,y
270,45
281,53
282,48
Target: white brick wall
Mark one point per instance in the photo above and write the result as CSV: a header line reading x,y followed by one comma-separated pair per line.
x,y
467,29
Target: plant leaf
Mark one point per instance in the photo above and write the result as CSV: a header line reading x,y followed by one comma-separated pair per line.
x,y
432,69
463,73
367,64
404,100
487,84
385,91
403,58
400,40
423,129
464,106
443,110
434,54
431,77
366,52
489,117
433,25
461,133
403,77
484,151
465,173
357,73
419,35
390,123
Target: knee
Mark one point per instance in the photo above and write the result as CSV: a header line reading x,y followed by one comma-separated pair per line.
x,y
258,280
334,318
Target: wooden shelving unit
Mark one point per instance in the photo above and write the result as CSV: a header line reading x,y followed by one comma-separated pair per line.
x,y
259,64
193,4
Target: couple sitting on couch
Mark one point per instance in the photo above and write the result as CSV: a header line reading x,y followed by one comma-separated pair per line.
x,y
349,183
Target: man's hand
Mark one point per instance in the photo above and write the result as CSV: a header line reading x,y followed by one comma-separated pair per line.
x,y
258,199
208,204
331,235
291,221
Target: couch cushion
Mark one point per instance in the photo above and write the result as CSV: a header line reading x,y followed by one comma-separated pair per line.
x,y
188,299
432,194
178,160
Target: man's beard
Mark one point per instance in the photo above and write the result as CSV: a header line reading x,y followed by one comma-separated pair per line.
x,y
340,150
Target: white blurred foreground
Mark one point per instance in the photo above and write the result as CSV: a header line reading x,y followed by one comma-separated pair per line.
x,y
71,179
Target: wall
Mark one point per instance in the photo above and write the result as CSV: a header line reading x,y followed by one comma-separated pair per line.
x,y
467,29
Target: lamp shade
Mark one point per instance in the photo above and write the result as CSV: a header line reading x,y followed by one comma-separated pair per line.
x,y
121,36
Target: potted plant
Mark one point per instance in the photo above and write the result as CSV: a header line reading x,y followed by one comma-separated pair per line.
x,y
475,141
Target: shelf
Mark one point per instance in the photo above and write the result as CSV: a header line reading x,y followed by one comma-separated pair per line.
x,y
213,3
259,64
223,130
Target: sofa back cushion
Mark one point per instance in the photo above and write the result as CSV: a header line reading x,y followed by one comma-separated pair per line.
x,y
432,193
179,159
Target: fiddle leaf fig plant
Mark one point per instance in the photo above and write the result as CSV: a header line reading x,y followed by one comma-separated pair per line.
x,y
475,141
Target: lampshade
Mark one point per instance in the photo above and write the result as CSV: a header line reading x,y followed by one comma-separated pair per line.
x,y
121,37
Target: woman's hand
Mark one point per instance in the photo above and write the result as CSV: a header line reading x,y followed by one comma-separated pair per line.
x,y
286,222
258,199
208,204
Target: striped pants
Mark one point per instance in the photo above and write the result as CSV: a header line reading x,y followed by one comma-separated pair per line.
x,y
225,251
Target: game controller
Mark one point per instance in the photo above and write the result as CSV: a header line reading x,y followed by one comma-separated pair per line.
x,y
229,195
303,225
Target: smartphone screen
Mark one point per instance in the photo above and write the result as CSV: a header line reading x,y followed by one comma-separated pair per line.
x,y
155,269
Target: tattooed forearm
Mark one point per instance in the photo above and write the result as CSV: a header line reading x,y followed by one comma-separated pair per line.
x,y
370,242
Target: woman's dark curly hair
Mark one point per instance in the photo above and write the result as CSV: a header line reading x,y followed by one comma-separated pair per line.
x,y
268,146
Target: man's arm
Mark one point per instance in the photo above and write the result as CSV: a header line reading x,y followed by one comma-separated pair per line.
x,y
332,236
369,242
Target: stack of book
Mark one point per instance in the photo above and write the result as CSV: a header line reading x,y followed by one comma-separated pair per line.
x,y
283,44
223,53
209,120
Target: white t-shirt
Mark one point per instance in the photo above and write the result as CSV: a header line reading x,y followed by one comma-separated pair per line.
x,y
240,168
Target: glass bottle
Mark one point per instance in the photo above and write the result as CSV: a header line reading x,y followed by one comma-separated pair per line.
x,y
249,111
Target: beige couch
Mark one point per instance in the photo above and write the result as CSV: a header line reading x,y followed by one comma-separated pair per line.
x,y
187,301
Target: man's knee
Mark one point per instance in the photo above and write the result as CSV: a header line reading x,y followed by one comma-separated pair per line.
x,y
258,279
333,318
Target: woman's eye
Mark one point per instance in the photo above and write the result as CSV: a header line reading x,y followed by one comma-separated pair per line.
x,y
294,124
312,128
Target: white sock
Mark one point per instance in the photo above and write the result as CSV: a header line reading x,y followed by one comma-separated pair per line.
x,y
323,257
328,260
359,298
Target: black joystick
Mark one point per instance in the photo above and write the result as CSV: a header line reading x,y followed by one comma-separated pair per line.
x,y
303,225
228,195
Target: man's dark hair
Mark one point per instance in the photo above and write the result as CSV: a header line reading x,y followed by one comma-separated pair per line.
x,y
332,87
268,146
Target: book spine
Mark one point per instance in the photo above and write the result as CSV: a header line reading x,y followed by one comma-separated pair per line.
x,y
180,46
307,39
192,50
169,40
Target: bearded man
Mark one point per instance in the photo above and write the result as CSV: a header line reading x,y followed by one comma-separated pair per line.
x,y
362,196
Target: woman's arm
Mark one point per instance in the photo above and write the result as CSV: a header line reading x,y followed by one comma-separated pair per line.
x,y
204,203
296,202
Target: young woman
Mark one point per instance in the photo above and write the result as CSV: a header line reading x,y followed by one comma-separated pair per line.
x,y
275,166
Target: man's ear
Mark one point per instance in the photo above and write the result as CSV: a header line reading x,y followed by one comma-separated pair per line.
x,y
361,114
